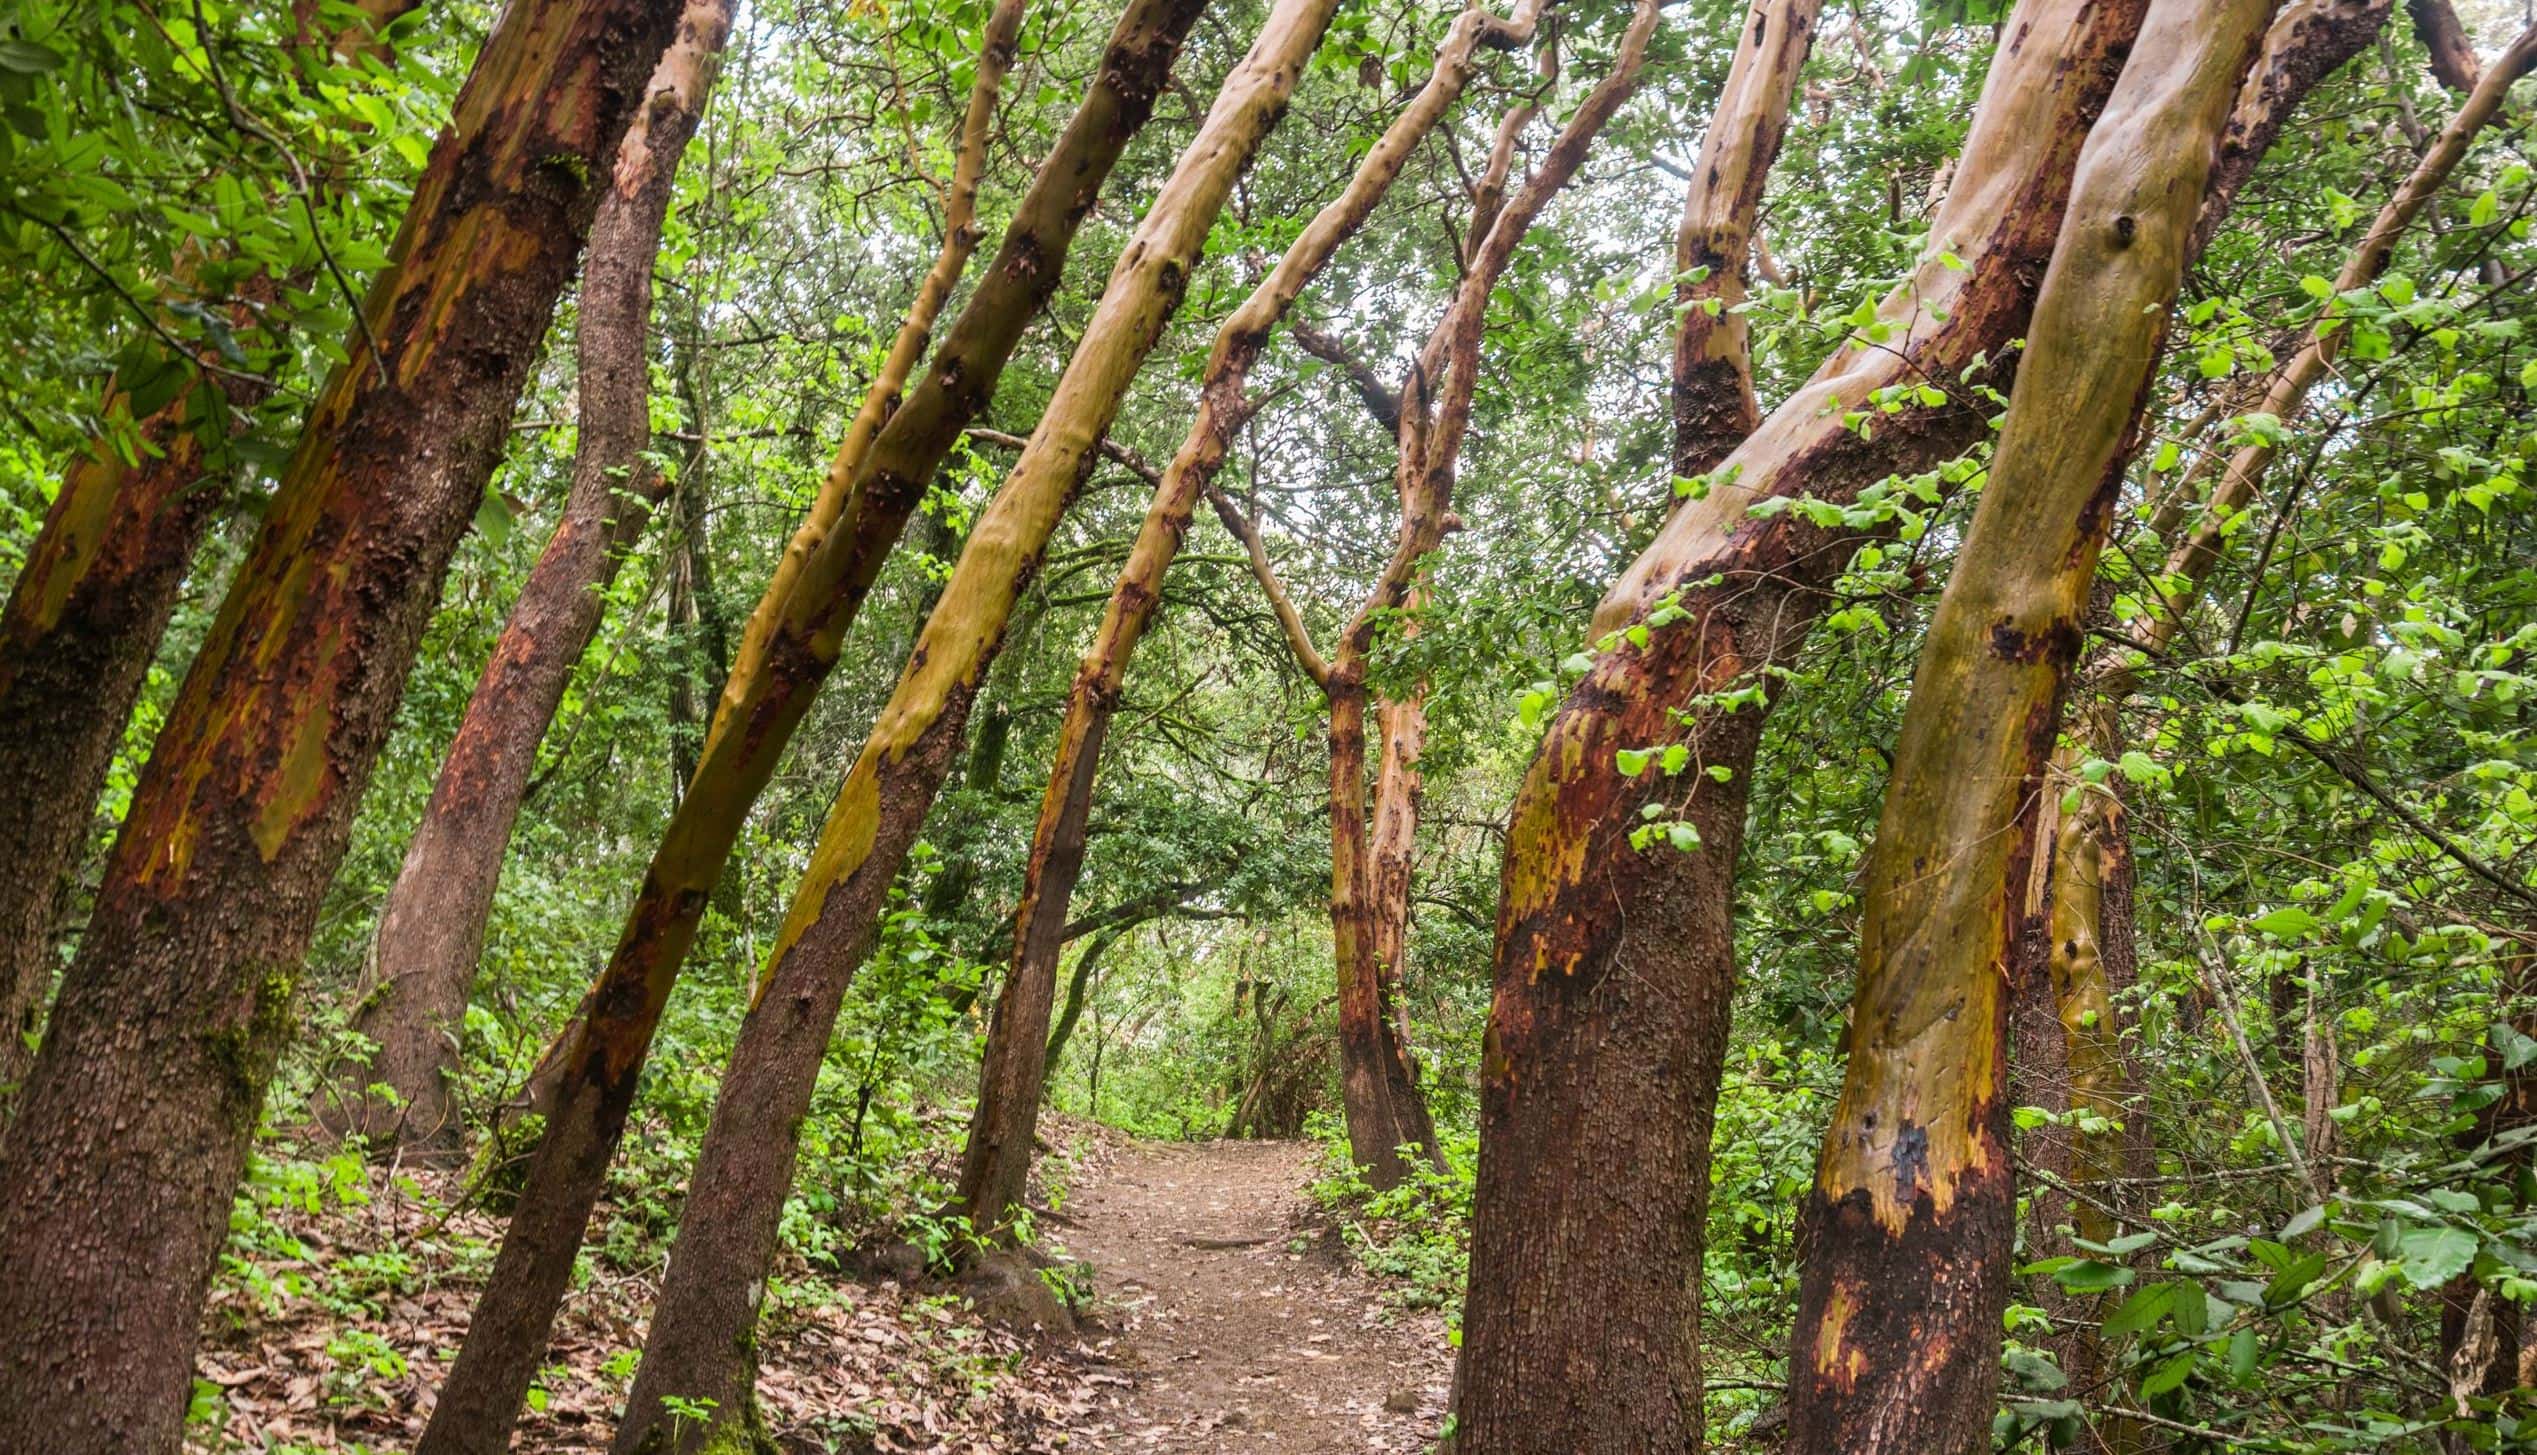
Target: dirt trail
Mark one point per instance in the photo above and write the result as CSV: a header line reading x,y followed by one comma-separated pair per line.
x,y
1236,1327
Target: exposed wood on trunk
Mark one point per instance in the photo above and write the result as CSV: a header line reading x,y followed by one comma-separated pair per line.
x,y
1615,965
996,1161
116,1179
1714,407
703,1327
594,1087
1388,1122
85,616
1906,1236
433,924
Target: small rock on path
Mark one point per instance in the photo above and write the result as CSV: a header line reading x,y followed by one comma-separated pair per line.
x,y
1229,1339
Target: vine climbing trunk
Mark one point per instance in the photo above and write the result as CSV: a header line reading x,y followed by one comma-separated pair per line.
x,y
86,613
433,924
599,1065
704,1325
1906,1238
116,1178
1615,963
995,1164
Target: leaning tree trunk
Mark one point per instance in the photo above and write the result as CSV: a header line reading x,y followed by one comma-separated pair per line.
x,y
1713,402
1906,1238
594,1083
700,1346
116,1179
85,617
2091,951
995,1165
2453,58
399,1096
1615,963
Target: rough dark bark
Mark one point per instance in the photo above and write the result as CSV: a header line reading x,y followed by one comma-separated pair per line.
x,y
1615,965
433,924
116,1180
84,619
1906,1237
2453,58
995,1164
704,1325
595,1085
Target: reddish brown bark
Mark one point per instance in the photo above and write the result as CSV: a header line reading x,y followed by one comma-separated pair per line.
x,y
995,1165
703,1328
433,925
595,1084
1615,965
115,1181
84,619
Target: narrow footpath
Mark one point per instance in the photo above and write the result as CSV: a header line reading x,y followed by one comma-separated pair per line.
x,y
1236,1324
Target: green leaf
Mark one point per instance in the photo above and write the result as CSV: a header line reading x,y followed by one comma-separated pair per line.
x,y
26,58
2242,1349
2087,1275
2170,1375
2144,1308
1633,761
2286,924
2435,1255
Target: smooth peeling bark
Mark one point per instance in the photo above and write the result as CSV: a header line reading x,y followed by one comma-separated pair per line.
x,y
85,617
432,927
700,1346
2092,950
1713,402
995,1164
116,1179
1615,966
594,1081
1906,1238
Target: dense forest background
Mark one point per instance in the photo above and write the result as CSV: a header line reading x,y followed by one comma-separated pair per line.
x,y
2323,1197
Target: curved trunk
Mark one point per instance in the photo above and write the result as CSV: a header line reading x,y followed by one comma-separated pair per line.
x,y
433,924
702,1329
133,1130
995,1164
1906,1235
1615,963
85,617
2092,952
594,1083
2309,41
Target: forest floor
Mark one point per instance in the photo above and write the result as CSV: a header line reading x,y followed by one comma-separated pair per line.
x,y
1224,1316
1237,1314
